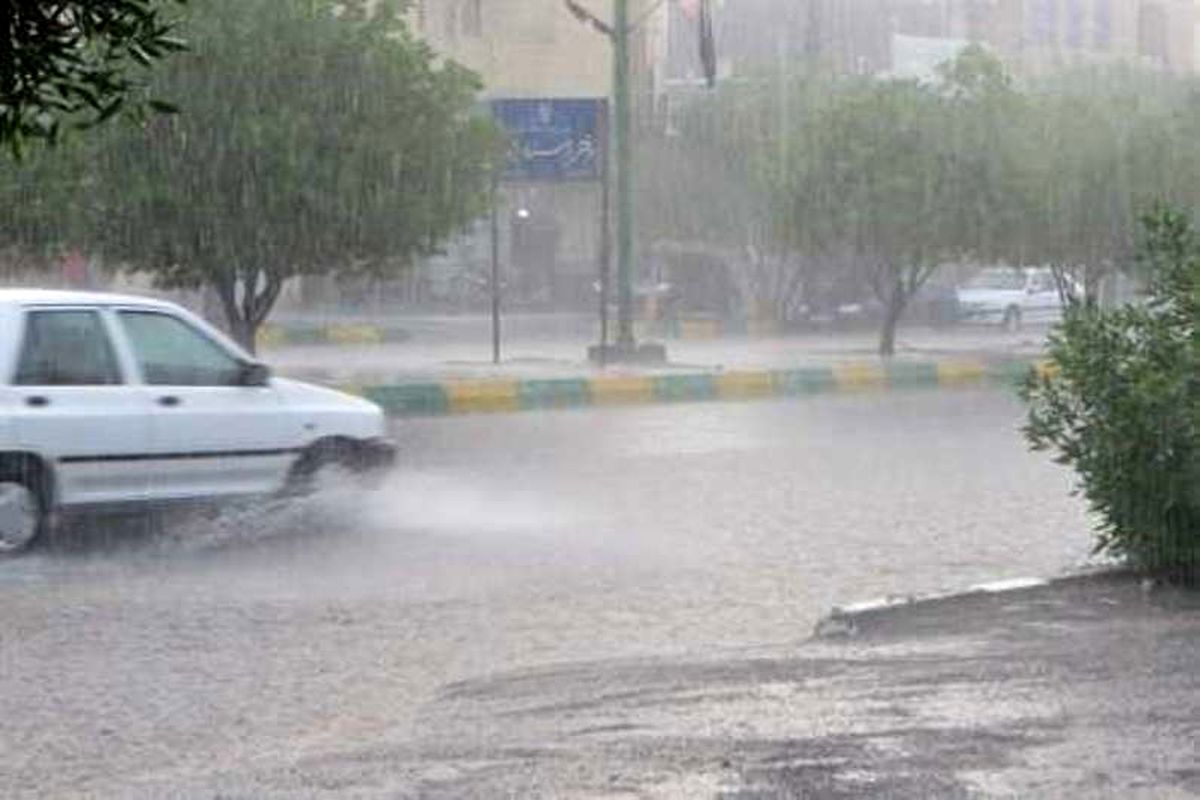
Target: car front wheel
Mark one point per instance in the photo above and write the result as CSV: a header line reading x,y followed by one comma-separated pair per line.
x,y
361,462
21,516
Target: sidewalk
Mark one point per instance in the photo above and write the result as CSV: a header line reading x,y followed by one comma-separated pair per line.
x,y
426,357
1083,687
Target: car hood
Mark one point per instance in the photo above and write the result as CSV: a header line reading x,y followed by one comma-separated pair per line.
x,y
338,412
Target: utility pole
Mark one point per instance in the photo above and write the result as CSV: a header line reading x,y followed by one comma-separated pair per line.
x,y
625,344
601,355
625,348
495,282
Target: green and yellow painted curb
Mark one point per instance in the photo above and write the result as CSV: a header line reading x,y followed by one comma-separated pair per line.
x,y
508,395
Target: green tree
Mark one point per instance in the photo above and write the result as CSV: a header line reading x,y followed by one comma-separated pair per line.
x,y
820,179
76,61
812,179
901,177
1099,145
40,206
1123,407
734,207
317,136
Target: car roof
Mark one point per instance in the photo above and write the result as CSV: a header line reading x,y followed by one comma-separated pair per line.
x,y
61,297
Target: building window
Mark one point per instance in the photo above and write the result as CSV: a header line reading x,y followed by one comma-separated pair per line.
x,y
977,20
1102,24
1044,23
471,17
1075,24
462,18
1152,32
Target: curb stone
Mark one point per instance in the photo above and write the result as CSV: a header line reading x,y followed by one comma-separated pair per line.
x,y
493,395
841,621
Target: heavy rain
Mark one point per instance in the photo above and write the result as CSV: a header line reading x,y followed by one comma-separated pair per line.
x,y
734,399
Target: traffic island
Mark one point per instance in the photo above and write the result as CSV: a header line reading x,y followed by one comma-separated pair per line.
x,y
482,395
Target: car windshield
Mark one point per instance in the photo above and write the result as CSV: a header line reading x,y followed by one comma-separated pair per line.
x,y
716,399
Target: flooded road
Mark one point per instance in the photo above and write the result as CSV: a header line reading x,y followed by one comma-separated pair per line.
x,y
228,653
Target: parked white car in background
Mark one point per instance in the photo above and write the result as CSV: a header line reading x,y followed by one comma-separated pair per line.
x,y
1010,297
108,400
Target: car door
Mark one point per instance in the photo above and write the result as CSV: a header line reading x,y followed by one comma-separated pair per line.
x,y
210,434
75,406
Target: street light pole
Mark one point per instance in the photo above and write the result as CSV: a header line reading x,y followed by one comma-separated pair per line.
x,y
625,348
495,282
625,343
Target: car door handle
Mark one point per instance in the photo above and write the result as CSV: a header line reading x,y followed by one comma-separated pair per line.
x,y
169,400
37,400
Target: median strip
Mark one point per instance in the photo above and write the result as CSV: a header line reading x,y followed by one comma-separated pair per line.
x,y
499,395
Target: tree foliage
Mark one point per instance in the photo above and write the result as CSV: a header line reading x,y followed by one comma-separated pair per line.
x,y
882,180
1099,148
77,62
1122,407
875,182
317,136
899,181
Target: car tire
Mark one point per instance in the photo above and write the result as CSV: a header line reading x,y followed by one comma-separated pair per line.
x,y
1012,319
22,514
328,457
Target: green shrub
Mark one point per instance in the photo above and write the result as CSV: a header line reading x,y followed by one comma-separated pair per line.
x,y
1122,407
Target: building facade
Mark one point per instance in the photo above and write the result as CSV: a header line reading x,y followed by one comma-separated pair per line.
x,y
550,233
905,36
550,240
1035,35
521,48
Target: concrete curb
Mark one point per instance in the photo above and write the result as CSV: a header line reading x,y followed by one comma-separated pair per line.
x,y
843,620
491,395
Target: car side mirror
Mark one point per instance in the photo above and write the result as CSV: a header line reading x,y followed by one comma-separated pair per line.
x,y
254,373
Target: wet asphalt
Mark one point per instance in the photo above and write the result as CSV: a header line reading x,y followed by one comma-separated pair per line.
x,y
522,584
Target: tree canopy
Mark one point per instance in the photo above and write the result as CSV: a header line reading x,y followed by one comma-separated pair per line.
x,y
877,182
315,137
77,62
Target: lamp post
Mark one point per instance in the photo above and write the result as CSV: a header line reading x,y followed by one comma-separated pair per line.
x,y
619,33
625,344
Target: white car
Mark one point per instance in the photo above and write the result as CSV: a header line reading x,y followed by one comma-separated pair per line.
x,y
1010,297
108,400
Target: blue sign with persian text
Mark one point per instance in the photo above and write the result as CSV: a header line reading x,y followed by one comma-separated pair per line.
x,y
553,139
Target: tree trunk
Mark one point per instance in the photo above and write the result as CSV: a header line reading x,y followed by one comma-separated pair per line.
x,y
897,299
244,333
887,336
259,290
